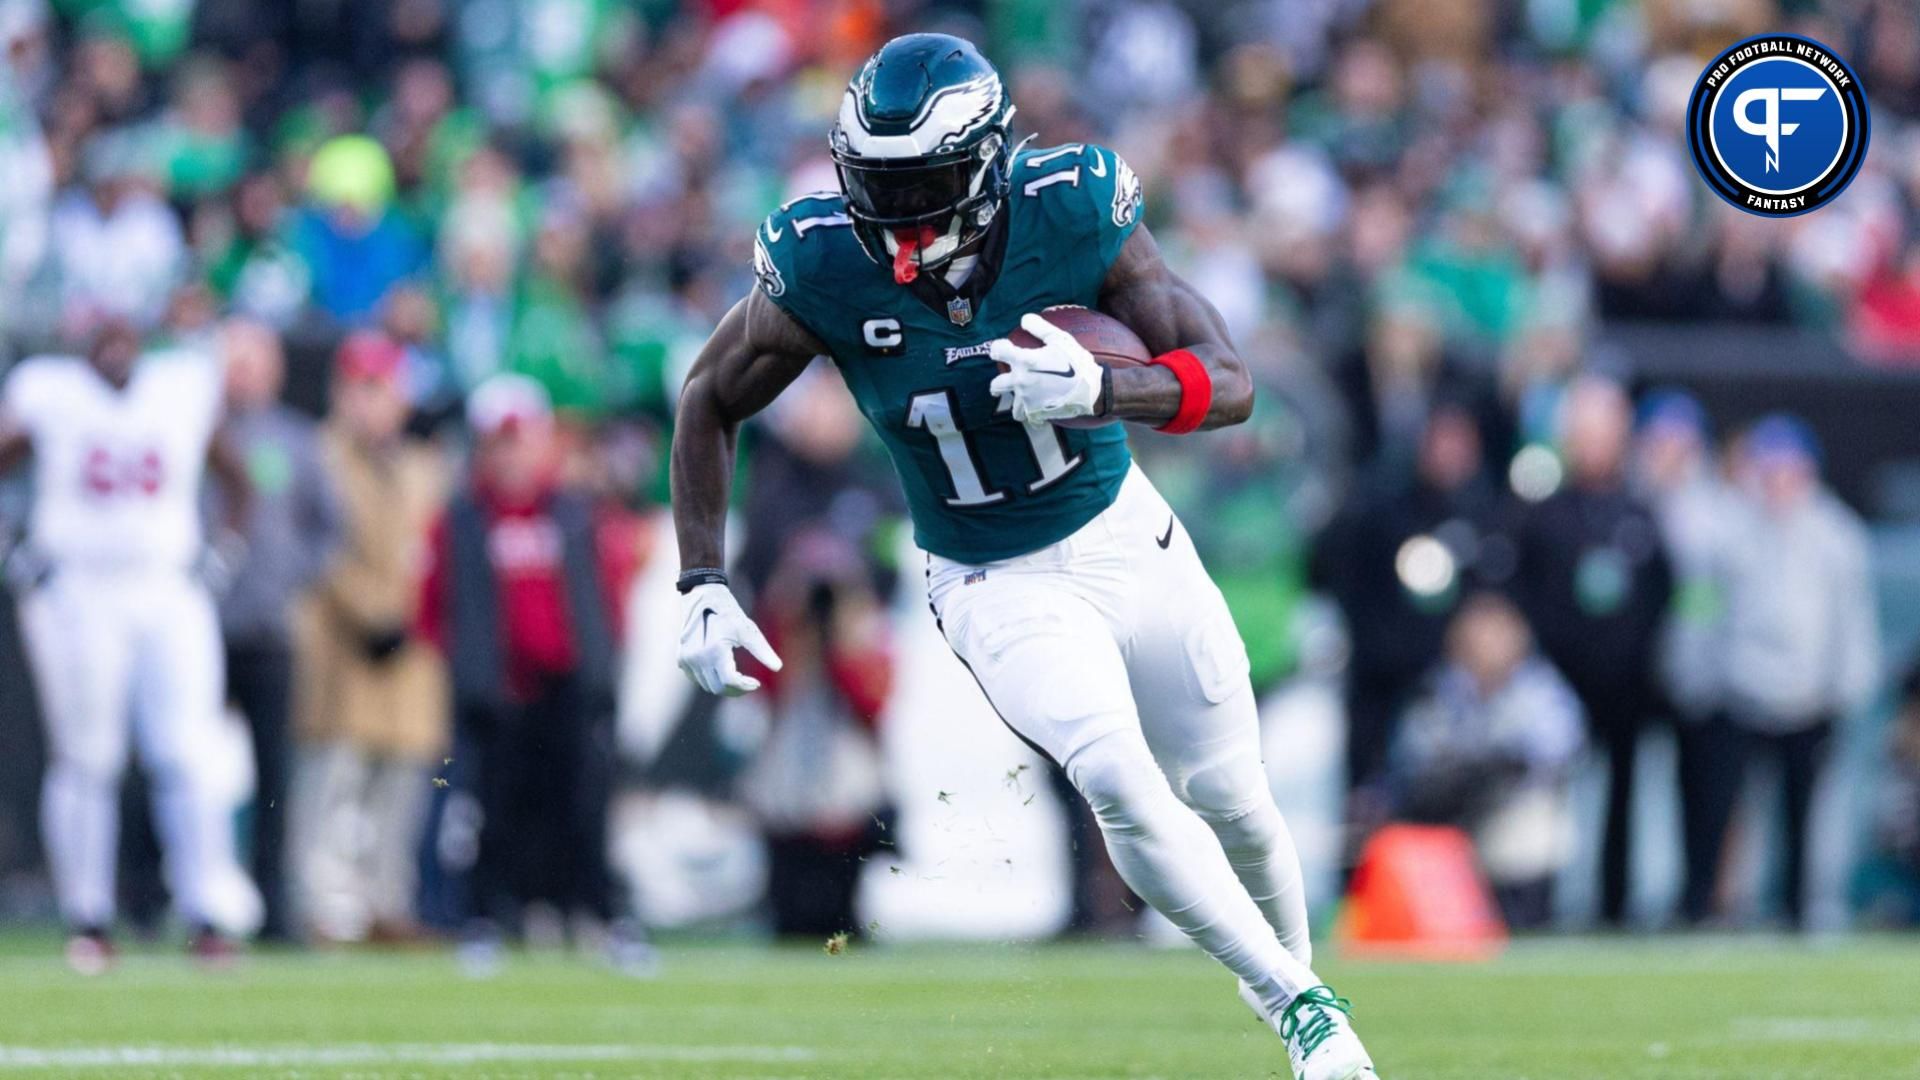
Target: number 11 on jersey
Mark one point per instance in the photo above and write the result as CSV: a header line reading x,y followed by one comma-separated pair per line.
x,y
934,411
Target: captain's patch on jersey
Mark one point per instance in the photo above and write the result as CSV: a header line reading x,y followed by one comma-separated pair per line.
x,y
883,336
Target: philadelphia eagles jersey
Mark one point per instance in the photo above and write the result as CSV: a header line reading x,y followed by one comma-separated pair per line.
x,y
980,486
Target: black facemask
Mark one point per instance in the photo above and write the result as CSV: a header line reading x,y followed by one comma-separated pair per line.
x,y
901,195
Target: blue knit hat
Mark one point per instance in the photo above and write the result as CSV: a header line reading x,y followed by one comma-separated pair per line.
x,y
1670,408
1783,437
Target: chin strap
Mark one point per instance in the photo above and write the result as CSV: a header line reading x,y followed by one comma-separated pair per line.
x,y
907,244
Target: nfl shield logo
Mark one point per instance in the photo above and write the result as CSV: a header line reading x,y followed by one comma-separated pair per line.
x,y
960,311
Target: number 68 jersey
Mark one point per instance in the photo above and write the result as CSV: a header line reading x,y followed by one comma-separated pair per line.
x,y
980,486
116,472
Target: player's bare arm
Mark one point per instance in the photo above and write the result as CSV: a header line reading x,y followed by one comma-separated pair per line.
x,y
1143,292
756,352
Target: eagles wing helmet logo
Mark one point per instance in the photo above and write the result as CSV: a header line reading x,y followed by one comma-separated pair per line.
x,y
1778,125
945,119
983,96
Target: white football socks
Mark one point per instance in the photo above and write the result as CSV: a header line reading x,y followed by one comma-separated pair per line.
x,y
80,825
1167,855
1260,850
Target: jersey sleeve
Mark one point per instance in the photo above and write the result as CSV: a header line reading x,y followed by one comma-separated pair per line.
x,y
16,394
1116,198
24,397
197,384
786,249
1089,195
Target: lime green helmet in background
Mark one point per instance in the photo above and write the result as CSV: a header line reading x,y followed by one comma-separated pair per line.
x,y
923,149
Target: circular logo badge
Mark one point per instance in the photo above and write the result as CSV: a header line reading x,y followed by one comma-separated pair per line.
x,y
1778,125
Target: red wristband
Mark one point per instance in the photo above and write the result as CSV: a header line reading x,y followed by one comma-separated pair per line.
x,y
1196,391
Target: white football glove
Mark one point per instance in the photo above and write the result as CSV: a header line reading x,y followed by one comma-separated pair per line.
x,y
1060,380
714,627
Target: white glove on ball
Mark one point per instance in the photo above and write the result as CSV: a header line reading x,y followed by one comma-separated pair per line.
x,y
1060,380
713,628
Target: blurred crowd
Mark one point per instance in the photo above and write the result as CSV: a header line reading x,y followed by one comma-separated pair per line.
x,y
457,255
1655,577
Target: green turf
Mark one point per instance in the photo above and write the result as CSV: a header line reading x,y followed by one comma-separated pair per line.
x,y
1743,1009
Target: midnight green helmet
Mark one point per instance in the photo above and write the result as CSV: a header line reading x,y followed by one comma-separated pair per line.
x,y
922,146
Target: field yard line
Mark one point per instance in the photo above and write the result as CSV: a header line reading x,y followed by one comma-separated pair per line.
x,y
1827,1029
18,1058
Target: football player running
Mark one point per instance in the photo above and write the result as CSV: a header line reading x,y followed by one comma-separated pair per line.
x,y
1055,570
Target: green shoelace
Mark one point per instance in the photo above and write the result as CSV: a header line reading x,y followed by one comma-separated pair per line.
x,y
1318,1025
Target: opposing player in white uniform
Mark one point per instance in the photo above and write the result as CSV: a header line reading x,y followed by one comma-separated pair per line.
x,y
120,631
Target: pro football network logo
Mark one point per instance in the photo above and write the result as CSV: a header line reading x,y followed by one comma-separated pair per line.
x,y
1778,125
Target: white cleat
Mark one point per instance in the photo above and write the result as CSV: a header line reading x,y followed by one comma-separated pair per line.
x,y
1319,1035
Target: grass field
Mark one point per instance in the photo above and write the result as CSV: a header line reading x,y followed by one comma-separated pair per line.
x,y
1738,1008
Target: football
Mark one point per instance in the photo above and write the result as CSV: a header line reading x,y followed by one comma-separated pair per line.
x,y
1110,341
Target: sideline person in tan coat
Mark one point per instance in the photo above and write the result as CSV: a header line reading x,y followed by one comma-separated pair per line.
x,y
371,702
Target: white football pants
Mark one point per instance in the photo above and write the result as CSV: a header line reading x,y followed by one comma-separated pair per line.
x,y
114,653
359,817
1113,653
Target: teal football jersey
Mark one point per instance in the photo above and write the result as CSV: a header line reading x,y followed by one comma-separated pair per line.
x,y
979,486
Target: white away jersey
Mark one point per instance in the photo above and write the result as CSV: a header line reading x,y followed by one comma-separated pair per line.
x,y
117,473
